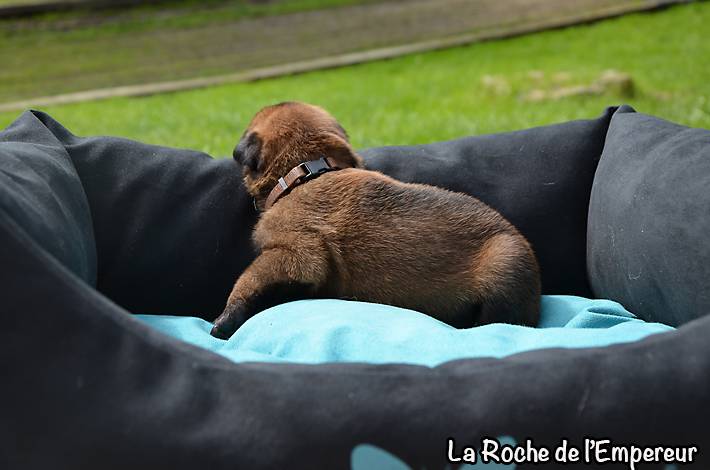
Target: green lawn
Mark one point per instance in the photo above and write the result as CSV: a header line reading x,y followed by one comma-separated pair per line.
x,y
19,2
175,13
441,95
87,49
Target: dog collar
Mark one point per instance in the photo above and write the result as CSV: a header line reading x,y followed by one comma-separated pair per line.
x,y
300,174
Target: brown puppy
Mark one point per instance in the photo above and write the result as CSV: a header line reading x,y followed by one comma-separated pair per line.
x,y
358,234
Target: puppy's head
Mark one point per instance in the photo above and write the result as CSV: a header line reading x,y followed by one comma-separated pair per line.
x,y
285,135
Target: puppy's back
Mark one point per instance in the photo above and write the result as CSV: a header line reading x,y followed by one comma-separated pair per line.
x,y
416,246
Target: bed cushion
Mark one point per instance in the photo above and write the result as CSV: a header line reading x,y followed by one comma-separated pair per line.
x,y
172,226
159,210
649,219
327,330
41,194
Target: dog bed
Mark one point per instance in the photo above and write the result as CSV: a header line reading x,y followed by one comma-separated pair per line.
x,y
95,230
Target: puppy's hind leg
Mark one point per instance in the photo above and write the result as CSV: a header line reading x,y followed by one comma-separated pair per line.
x,y
276,276
507,281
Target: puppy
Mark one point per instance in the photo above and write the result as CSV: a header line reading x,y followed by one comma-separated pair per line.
x,y
330,228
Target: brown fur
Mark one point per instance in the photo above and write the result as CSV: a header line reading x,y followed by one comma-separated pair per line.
x,y
359,234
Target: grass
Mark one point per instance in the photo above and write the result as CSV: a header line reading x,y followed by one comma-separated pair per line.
x,y
86,49
77,51
441,95
18,2
175,14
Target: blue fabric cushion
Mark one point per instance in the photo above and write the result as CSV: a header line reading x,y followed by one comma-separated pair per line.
x,y
318,331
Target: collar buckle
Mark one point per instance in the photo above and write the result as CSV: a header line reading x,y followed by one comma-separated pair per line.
x,y
314,168
300,174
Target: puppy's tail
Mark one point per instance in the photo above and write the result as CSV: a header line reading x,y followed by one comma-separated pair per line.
x,y
507,281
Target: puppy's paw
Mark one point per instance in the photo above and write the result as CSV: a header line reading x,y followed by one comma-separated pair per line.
x,y
228,322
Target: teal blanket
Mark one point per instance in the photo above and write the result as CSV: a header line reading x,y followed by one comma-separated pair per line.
x,y
317,331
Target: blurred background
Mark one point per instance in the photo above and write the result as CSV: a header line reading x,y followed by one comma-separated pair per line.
x,y
189,73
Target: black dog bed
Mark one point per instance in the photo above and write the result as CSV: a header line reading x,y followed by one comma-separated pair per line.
x,y
94,228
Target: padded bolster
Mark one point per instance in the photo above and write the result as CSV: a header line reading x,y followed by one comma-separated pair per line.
x,y
649,219
40,193
172,226
539,179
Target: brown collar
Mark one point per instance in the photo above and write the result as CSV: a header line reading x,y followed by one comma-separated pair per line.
x,y
300,174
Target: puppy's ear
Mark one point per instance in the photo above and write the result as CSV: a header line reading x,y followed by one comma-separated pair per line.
x,y
336,147
248,151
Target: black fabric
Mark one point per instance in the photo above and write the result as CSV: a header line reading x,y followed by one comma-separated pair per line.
x,y
649,220
172,226
41,192
110,393
539,179
159,210
85,385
